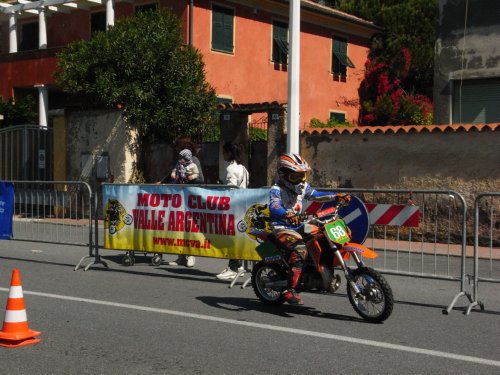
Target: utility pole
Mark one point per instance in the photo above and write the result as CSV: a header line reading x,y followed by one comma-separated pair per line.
x,y
293,120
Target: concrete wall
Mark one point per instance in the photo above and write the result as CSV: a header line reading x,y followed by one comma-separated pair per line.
x,y
454,157
461,158
470,56
94,133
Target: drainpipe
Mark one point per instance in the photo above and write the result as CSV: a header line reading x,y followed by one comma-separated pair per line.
x,y
190,32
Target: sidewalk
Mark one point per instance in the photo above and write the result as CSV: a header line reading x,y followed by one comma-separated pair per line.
x,y
431,248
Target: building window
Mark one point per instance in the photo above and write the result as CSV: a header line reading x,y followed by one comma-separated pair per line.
x,y
97,22
29,37
280,42
340,60
337,117
146,8
222,29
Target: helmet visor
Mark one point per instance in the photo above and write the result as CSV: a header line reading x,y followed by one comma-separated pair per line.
x,y
296,177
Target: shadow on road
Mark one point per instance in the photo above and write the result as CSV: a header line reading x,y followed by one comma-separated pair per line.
x,y
285,311
195,274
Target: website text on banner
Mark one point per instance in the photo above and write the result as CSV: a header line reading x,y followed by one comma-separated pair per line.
x,y
211,222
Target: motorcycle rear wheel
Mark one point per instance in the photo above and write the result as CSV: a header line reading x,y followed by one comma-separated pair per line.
x,y
262,275
376,301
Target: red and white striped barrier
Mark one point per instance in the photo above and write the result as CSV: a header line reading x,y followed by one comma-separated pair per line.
x,y
393,214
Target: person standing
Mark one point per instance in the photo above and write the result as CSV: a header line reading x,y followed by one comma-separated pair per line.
x,y
185,171
183,144
236,175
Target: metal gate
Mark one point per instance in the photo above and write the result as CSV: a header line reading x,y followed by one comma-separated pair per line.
x,y
257,151
26,153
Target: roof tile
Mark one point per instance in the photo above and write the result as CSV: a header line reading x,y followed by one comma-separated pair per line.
x,y
405,129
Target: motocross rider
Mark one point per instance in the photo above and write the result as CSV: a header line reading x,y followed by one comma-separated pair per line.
x,y
285,207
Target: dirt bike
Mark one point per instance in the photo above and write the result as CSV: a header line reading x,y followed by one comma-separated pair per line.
x,y
327,239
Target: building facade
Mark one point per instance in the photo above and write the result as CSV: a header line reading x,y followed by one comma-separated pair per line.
x,y
467,63
244,46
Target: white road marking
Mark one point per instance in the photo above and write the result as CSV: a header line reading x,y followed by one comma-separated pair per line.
x,y
329,336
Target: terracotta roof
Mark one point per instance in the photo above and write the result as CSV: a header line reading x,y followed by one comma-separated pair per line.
x,y
405,129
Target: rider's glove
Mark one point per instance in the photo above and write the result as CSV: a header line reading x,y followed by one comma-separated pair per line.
x,y
342,198
293,218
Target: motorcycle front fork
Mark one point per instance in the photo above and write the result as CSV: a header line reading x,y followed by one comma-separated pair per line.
x,y
348,272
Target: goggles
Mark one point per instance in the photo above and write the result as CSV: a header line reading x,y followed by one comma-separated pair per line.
x,y
296,177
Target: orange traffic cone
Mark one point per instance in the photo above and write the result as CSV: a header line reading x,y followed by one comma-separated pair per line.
x,y
15,331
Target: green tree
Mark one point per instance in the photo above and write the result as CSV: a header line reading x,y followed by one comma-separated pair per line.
x,y
17,113
408,24
142,66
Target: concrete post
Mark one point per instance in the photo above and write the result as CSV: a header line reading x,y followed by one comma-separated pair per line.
x,y
110,13
43,105
12,33
42,29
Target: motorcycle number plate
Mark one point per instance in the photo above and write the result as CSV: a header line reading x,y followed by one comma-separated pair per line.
x,y
337,232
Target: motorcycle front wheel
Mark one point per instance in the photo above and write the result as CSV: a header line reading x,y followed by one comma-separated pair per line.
x,y
375,301
268,282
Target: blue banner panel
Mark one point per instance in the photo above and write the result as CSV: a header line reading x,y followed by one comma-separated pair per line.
x,y
6,209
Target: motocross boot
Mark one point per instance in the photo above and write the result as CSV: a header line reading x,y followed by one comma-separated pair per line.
x,y
291,296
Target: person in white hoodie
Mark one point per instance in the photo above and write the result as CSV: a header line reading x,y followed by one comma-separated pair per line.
x,y
236,175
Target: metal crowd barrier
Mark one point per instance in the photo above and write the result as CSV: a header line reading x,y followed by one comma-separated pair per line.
x,y
434,248
487,234
53,211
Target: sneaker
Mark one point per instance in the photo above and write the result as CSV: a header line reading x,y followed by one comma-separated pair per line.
x,y
293,298
229,274
180,261
190,260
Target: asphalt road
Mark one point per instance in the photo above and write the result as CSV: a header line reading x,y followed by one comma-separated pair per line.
x,y
169,320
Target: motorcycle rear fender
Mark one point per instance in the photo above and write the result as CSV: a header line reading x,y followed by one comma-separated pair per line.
x,y
358,248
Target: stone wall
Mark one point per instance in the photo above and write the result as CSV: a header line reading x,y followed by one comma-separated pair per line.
x,y
464,158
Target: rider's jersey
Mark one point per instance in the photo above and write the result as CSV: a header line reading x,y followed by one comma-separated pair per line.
x,y
282,200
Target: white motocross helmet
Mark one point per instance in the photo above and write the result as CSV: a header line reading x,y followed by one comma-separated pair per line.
x,y
292,172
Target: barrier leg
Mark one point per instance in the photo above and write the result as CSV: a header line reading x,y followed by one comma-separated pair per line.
x,y
247,266
450,307
472,305
240,273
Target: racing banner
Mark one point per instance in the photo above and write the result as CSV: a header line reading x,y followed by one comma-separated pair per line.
x,y
213,222
6,209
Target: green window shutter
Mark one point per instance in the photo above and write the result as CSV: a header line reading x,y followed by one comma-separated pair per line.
x,y
280,42
340,60
222,29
